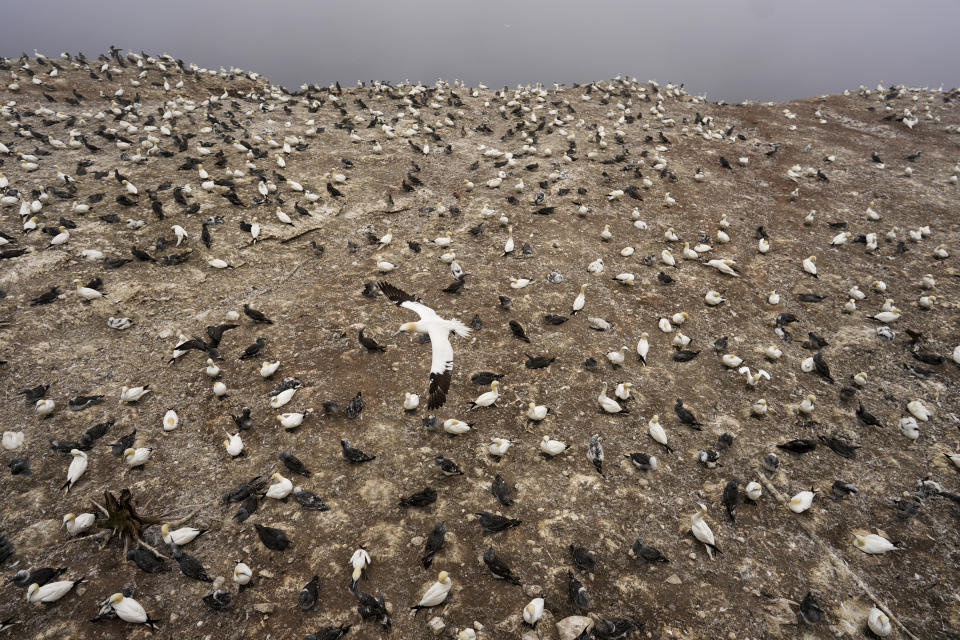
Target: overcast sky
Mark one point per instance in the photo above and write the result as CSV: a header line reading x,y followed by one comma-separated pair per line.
x,y
759,49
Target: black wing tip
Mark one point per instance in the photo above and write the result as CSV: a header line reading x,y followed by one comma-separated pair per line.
x,y
439,386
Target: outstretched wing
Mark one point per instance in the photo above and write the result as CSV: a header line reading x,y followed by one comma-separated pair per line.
x,y
441,367
405,300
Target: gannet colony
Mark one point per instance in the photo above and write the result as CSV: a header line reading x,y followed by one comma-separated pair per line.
x,y
549,362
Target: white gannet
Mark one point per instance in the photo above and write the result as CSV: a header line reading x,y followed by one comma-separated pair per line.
x,y
77,466
44,407
180,232
657,432
801,502
872,543
50,592
77,524
499,446
212,369
410,401
643,347
242,574
455,427
170,420
533,612
233,444
807,405
918,410
133,394
359,561
581,298
713,298
731,361
519,283
279,488
267,369
487,399
878,621
129,610
291,420
282,398
437,592
664,325
12,440
909,427
607,404
623,390
759,408
723,266
438,329
181,536
773,298
753,490
552,447
508,245
617,357
810,265
536,412
701,530
136,457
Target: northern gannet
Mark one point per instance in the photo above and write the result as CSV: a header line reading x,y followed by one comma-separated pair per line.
x,y
877,620
607,404
701,530
77,524
810,265
552,447
643,347
50,592
438,329
129,610
77,466
723,266
181,536
436,594
873,544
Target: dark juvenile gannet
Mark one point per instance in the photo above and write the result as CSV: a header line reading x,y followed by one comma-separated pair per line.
x,y
441,366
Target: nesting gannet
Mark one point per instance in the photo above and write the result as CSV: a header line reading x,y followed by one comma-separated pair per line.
x,y
133,394
918,410
665,326
536,412
759,408
359,561
410,401
487,399
436,594
723,266
129,610
810,266
77,466
509,244
625,279
701,530
731,361
879,623
279,488
617,357
873,543
622,391
212,369
220,390
607,404
533,612
773,298
77,524
499,446
242,574
50,592
753,490
233,444
801,502
44,407
807,405
552,447
181,536
136,457
290,421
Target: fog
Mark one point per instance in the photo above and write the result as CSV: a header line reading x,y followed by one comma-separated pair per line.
x,y
757,49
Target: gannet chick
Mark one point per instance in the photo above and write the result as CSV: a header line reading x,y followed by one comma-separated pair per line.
x,y
77,524
536,412
617,357
909,427
873,544
713,298
666,257
771,462
807,406
220,390
731,361
359,561
133,394
212,369
552,447
137,457
801,502
773,298
436,594
242,574
129,610
643,347
77,466
233,444
724,266
606,403
44,407
580,300
533,612
12,440
810,266
50,592
623,390
499,446
596,266
410,401
665,325
701,530
918,410
753,490
879,623
759,408
181,536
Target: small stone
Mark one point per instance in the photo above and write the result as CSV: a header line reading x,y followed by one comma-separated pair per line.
x,y
417,541
571,627
673,579
532,590
265,573
264,607
436,625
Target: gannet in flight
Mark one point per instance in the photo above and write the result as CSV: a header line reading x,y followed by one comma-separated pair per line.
x,y
441,366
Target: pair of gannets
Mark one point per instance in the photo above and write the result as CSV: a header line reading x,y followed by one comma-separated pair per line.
x,y
607,404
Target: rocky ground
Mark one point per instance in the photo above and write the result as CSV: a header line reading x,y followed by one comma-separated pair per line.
x,y
771,557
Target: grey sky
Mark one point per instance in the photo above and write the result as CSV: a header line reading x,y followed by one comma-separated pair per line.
x,y
761,49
